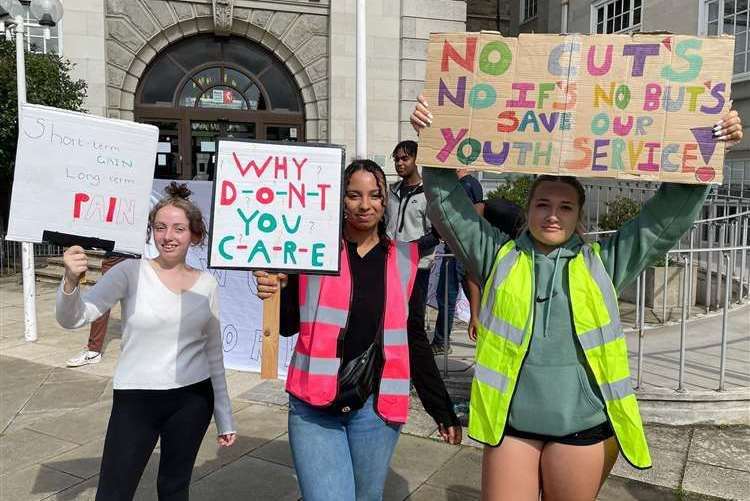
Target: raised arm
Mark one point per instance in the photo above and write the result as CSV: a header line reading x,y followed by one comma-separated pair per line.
x,y
74,309
657,228
662,220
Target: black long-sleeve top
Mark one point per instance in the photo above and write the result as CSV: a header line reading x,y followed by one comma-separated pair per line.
x,y
366,322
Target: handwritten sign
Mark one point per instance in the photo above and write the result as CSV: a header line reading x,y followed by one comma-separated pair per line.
x,y
82,175
277,206
615,106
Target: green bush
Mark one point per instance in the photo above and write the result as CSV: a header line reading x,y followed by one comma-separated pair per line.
x,y
619,210
48,82
515,190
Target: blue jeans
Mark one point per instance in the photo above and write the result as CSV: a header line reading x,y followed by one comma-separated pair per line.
x,y
452,271
342,457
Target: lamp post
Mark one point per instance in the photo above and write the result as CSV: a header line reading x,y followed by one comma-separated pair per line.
x,y
49,13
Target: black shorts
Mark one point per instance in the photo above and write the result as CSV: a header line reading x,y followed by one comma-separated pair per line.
x,y
590,436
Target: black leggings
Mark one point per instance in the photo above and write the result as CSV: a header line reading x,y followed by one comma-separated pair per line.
x,y
179,417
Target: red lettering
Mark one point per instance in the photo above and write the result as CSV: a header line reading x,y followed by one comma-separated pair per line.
x,y
280,166
687,156
466,61
581,144
111,209
323,188
228,193
78,200
258,170
507,115
299,166
299,194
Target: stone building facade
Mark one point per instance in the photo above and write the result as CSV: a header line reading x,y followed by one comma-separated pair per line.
x,y
159,61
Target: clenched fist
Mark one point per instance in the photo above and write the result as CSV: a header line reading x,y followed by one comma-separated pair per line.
x,y
76,264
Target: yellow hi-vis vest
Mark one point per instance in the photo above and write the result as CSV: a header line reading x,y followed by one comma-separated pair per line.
x,y
504,333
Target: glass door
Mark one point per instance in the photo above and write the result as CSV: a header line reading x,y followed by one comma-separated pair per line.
x,y
203,136
168,163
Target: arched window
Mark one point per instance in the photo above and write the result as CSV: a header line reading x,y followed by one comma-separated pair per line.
x,y
205,87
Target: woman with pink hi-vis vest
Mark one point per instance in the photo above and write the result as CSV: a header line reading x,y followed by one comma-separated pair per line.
x,y
343,425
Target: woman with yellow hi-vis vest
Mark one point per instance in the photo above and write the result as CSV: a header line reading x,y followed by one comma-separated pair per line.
x,y
551,396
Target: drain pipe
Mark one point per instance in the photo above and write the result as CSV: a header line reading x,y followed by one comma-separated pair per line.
x,y
564,16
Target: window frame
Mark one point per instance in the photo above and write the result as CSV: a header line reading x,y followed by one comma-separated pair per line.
x,y
32,28
522,13
632,27
703,31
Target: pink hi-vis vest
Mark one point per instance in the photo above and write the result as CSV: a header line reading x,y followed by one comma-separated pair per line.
x,y
324,303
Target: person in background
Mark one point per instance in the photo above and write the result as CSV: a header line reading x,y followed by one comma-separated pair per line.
x,y
169,379
406,214
343,429
551,397
452,275
92,352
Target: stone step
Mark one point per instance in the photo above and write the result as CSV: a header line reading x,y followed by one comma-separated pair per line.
x,y
53,268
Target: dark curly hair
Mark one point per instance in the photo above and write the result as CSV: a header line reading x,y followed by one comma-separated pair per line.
x,y
374,169
178,195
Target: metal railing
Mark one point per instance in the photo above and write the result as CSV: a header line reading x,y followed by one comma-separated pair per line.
x,y
10,254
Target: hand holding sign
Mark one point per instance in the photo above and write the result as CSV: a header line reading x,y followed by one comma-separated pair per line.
x,y
76,264
269,290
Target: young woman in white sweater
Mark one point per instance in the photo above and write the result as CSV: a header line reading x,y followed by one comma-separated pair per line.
x,y
169,378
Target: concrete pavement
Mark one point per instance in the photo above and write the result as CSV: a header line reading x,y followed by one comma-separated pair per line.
x,y
53,421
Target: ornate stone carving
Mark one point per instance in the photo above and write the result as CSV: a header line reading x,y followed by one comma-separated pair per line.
x,y
223,16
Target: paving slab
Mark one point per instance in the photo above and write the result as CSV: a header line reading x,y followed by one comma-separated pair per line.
x,y
461,473
270,391
34,483
666,471
83,462
248,478
414,461
24,448
624,489
212,458
82,491
12,402
429,493
709,480
67,395
276,451
419,423
79,426
727,447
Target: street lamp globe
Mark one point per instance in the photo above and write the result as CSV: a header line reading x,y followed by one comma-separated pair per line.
x,y
48,13
12,9
9,11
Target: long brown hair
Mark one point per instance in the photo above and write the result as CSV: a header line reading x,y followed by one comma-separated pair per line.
x,y
178,195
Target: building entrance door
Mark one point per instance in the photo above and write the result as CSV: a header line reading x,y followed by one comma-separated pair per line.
x,y
203,136
202,88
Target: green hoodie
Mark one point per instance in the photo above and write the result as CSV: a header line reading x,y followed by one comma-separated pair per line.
x,y
556,394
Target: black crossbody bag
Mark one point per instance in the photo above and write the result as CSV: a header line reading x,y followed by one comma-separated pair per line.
x,y
357,380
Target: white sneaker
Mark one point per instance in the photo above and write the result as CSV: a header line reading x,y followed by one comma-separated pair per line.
x,y
84,358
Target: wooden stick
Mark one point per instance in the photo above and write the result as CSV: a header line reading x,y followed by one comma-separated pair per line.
x,y
269,360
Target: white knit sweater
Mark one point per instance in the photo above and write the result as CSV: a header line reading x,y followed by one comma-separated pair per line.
x,y
169,340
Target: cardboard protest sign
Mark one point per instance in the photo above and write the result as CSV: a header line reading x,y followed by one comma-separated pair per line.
x,y
616,106
277,206
82,175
